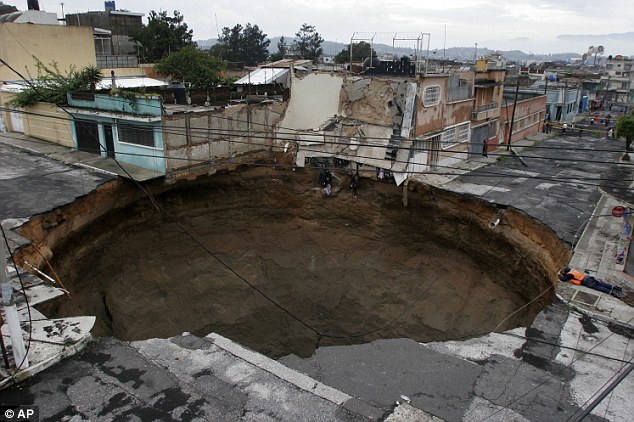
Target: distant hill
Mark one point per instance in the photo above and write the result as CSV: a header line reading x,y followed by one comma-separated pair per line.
x,y
331,48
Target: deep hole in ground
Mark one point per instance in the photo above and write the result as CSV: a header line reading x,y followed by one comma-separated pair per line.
x,y
366,267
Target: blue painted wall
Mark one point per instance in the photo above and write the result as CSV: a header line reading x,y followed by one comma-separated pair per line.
x,y
142,106
565,100
151,158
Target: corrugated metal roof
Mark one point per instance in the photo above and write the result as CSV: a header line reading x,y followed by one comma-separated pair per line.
x,y
130,82
106,83
263,76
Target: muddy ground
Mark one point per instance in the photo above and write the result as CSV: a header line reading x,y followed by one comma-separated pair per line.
x,y
352,269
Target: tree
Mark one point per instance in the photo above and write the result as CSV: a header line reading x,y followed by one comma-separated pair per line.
x,y
625,128
308,42
255,45
7,8
198,67
360,51
162,35
52,86
242,44
282,50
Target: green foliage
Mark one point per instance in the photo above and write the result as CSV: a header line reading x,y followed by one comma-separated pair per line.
x,y
51,85
162,35
242,44
625,128
360,51
198,67
7,8
282,50
308,43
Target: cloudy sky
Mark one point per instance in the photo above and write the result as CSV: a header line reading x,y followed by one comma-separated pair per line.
x,y
538,26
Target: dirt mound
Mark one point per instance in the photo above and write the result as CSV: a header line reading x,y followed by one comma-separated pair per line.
x,y
353,269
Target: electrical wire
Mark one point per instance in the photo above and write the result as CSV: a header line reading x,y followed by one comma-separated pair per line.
x,y
204,134
550,377
26,301
202,245
162,210
479,173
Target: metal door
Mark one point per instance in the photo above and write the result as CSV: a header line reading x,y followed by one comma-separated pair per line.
x,y
17,124
107,131
87,136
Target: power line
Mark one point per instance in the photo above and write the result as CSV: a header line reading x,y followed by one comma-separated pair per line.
x,y
582,180
267,136
551,376
289,136
202,245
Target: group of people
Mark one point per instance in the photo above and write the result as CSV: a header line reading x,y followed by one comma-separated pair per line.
x,y
580,279
325,180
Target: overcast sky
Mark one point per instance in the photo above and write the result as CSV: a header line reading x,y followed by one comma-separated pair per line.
x,y
538,26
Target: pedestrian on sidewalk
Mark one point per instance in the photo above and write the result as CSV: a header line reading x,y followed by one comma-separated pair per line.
x,y
580,279
485,152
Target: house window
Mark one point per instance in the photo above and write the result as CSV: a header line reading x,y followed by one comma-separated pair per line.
x,y
136,134
463,133
454,135
448,138
431,96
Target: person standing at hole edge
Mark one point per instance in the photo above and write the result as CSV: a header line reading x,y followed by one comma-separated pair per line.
x,y
328,182
580,279
355,184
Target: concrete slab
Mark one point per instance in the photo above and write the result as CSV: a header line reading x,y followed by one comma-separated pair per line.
x,y
183,378
382,371
70,156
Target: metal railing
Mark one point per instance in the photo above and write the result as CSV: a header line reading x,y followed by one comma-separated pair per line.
x,y
485,107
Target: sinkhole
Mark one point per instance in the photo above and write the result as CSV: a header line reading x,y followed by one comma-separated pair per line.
x,y
261,256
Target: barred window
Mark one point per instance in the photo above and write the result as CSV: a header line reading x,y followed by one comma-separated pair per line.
x,y
136,134
431,96
463,133
454,135
448,138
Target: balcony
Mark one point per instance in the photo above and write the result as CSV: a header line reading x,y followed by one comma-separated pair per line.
x,y
486,111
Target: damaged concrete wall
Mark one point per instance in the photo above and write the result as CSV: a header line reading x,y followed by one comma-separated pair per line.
x,y
371,113
203,142
314,99
429,118
376,101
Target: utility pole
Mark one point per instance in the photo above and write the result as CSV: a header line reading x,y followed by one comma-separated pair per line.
x,y
517,90
11,313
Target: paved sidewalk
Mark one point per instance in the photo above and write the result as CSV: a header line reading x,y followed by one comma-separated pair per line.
x,y
78,158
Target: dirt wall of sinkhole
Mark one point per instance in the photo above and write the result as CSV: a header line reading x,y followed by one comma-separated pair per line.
x,y
354,269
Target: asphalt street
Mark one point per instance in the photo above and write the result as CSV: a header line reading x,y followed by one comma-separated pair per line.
x,y
31,184
559,185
